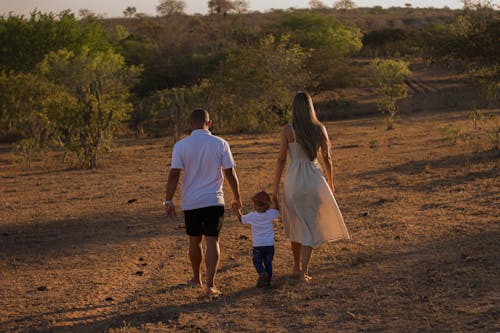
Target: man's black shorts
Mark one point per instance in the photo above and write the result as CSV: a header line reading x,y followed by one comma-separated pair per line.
x,y
204,221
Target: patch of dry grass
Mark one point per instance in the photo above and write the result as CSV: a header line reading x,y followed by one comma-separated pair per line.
x,y
78,254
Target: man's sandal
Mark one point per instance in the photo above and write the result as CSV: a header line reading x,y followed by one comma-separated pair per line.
x,y
192,284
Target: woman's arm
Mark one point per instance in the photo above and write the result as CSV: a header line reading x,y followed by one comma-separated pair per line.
x,y
327,158
280,163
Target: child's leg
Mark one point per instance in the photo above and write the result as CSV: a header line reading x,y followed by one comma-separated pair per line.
x,y
257,259
268,260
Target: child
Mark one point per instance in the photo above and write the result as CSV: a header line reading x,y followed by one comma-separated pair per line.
x,y
261,221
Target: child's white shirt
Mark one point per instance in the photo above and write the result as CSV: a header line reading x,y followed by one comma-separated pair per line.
x,y
262,226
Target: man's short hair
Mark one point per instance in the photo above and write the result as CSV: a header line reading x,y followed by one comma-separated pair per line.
x,y
199,116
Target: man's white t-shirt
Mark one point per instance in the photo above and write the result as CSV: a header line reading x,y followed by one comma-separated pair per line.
x,y
262,226
202,156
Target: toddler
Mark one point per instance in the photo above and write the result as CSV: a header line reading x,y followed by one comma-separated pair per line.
x,y
261,221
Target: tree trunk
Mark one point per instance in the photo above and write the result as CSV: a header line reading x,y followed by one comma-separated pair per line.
x,y
139,129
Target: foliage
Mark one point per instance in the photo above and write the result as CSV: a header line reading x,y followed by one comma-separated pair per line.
x,y
174,52
171,7
220,6
486,126
452,133
388,77
487,78
330,44
469,44
129,11
241,6
344,4
28,106
317,4
391,42
143,111
176,104
470,41
253,88
99,83
26,42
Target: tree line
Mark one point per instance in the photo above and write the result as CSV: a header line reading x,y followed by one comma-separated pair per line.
x,y
71,82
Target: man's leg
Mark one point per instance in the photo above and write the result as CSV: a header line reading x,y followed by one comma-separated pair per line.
x,y
212,260
195,255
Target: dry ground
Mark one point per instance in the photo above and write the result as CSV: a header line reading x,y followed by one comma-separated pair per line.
x,y
91,251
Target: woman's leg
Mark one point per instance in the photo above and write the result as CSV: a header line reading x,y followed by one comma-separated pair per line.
x,y
296,249
305,253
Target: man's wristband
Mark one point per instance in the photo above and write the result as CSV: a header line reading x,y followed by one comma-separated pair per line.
x,y
167,202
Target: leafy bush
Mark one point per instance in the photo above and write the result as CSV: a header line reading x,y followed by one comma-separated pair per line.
x,y
253,89
388,77
29,107
99,83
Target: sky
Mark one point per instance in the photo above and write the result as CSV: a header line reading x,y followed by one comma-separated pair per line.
x,y
114,8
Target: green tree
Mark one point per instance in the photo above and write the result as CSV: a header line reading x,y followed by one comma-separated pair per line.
x,y
144,110
344,4
317,4
29,105
24,43
86,13
388,78
469,45
220,6
176,104
330,45
129,11
100,84
241,6
254,87
389,42
171,7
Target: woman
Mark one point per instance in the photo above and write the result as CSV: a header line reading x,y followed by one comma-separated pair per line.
x,y
310,212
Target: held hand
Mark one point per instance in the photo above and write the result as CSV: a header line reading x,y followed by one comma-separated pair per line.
x,y
332,187
236,204
170,210
238,213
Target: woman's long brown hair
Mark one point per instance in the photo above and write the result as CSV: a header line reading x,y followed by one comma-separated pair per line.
x,y
308,129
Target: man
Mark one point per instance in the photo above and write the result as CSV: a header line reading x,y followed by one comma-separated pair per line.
x,y
205,159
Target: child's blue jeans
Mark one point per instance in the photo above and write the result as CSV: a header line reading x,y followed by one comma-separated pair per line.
x,y
263,259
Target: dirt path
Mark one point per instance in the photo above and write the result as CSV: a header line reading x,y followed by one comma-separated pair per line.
x,y
91,251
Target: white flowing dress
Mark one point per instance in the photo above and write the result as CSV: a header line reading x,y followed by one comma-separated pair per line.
x,y
311,214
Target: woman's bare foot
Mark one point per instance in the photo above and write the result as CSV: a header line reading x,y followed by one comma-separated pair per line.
x,y
306,278
213,292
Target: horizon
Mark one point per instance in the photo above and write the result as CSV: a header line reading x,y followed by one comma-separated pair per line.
x,y
114,8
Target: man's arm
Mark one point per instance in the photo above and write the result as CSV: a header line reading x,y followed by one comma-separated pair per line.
x,y
172,182
232,178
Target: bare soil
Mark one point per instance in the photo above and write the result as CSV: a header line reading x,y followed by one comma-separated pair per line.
x,y
92,251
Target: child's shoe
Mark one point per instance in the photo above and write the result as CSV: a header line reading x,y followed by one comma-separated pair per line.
x,y
264,280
